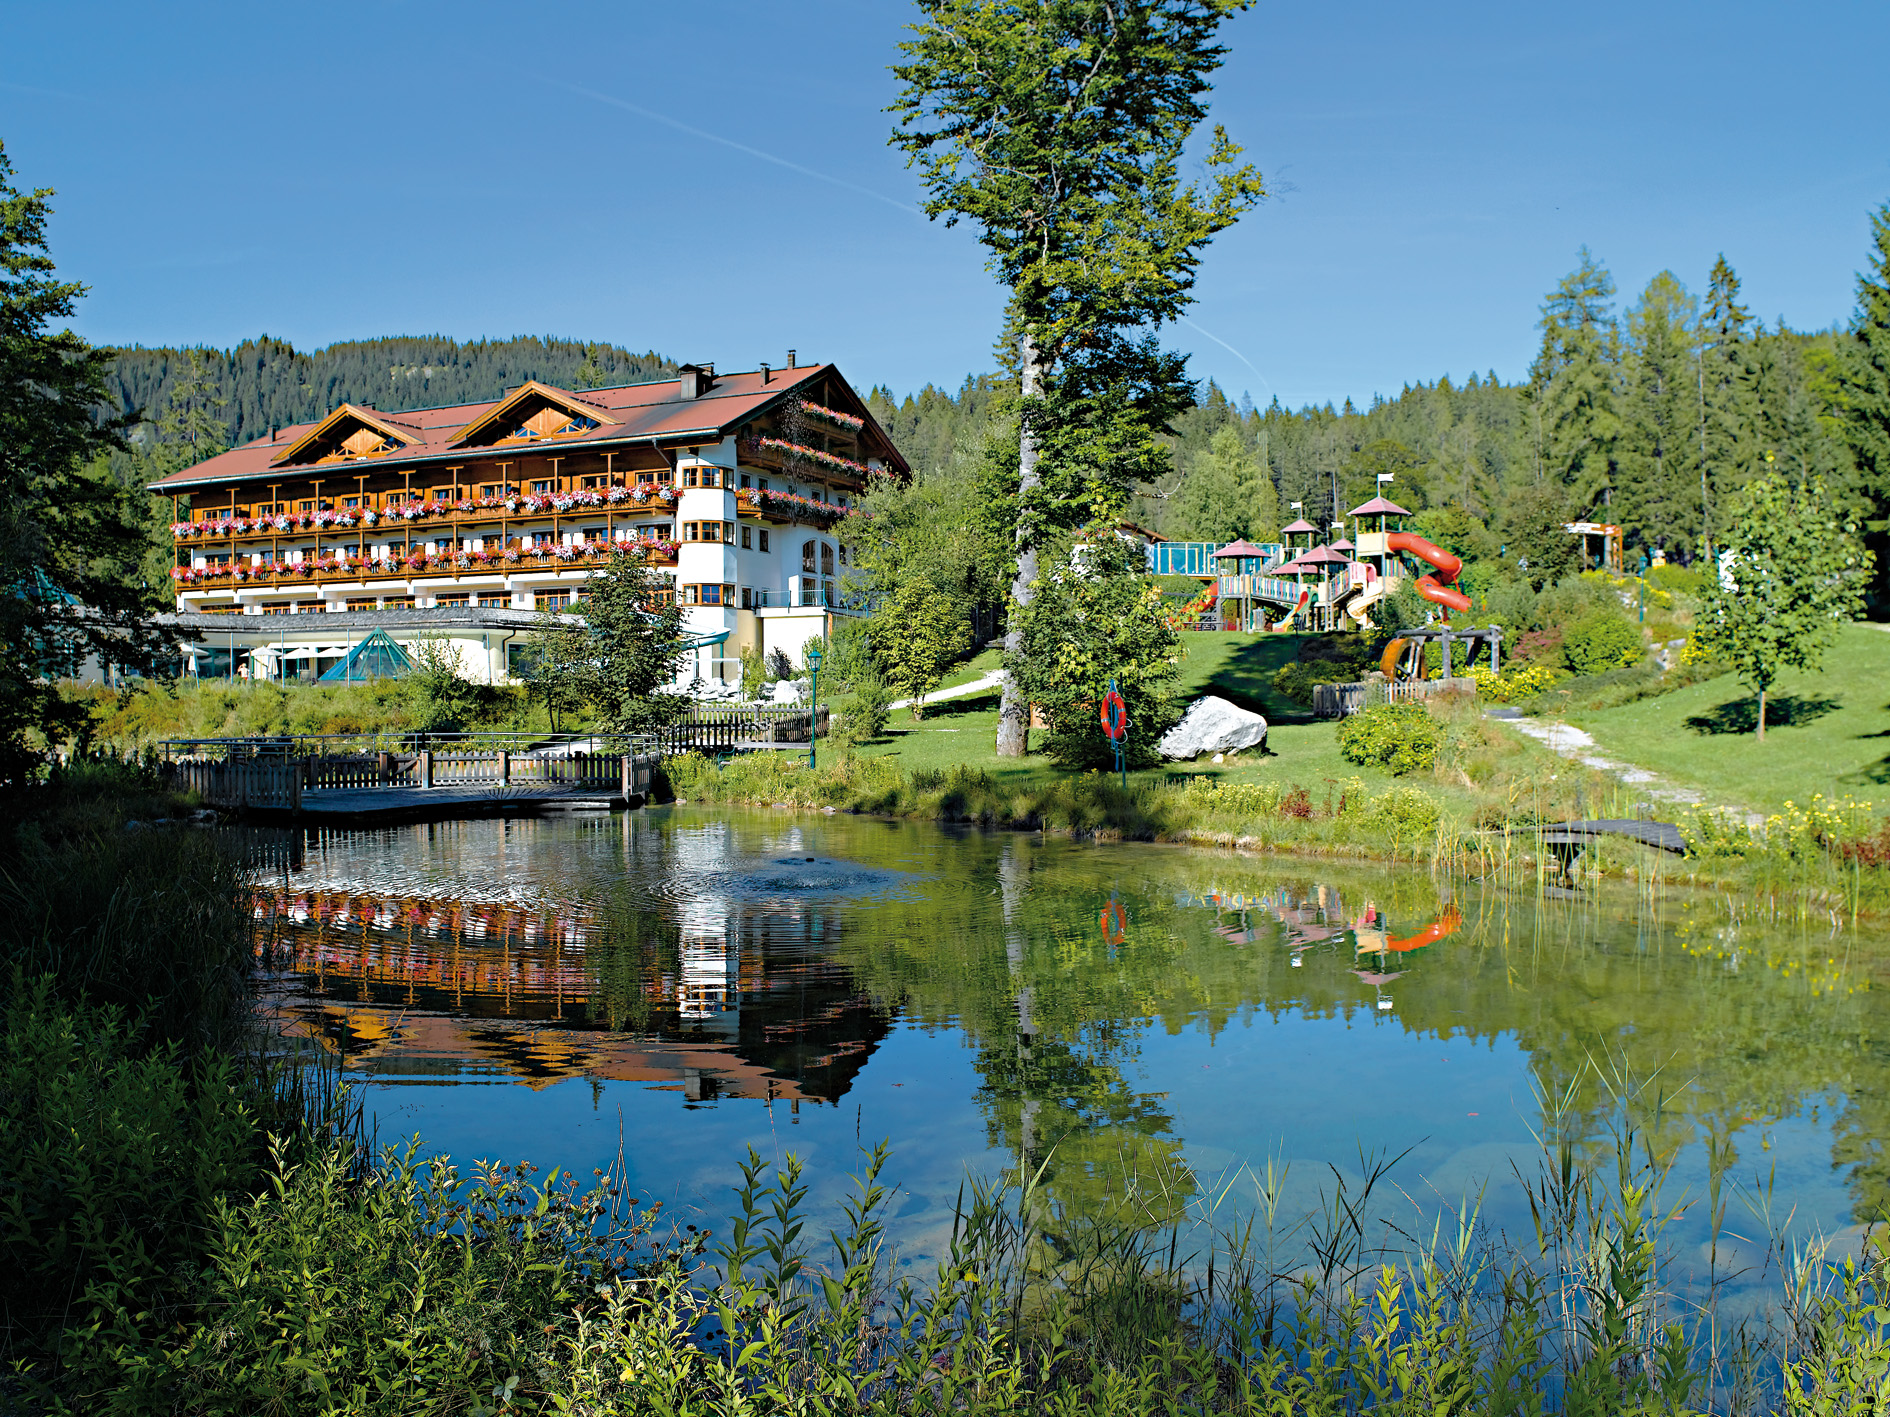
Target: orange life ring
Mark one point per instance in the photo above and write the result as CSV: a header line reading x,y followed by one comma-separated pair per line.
x,y
1115,717
1114,921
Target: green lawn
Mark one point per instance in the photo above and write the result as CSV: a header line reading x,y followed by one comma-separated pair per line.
x,y
1827,732
1301,749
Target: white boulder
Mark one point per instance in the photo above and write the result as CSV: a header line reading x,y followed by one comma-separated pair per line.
x,y
788,691
1213,725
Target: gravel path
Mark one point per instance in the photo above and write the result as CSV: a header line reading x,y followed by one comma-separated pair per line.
x,y
1572,742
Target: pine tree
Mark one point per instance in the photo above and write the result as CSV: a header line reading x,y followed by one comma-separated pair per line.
x,y
1574,423
1863,372
64,534
1657,458
1057,127
1726,404
1227,494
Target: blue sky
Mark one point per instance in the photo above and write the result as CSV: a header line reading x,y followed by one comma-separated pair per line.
x,y
712,180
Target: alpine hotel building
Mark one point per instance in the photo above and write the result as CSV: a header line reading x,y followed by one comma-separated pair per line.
x,y
463,523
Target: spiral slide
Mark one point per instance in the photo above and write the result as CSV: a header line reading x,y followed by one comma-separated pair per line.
x,y
1436,589
1447,923
1287,623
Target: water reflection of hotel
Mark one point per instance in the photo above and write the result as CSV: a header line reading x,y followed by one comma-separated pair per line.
x,y
715,996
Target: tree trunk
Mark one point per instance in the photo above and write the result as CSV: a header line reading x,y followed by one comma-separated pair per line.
x,y
1013,733
1761,715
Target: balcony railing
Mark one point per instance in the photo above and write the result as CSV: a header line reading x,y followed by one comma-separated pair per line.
x,y
644,498
827,597
789,508
510,561
810,462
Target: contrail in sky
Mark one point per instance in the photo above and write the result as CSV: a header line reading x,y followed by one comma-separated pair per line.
x,y
669,122
1229,348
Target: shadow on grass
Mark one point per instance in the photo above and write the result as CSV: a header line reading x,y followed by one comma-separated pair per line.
x,y
1245,678
1742,715
960,708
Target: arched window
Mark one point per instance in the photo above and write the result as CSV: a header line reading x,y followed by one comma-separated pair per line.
x,y
807,556
826,559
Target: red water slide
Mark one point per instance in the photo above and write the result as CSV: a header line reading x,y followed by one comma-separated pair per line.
x,y
1436,589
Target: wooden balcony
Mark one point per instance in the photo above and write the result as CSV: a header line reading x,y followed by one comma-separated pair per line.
x,y
513,561
785,510
809,464
249,530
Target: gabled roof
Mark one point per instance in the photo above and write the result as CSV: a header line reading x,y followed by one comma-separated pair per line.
x,y
297,452
1380,506
501,414
639,415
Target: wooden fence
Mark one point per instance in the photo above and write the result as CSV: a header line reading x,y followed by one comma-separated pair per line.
x,y
1343,700
278,785
707,730
257,783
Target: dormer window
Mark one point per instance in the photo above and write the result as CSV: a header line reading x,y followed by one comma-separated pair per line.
x,y
553,423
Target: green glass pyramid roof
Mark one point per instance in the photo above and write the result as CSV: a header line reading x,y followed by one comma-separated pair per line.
x,y
376,657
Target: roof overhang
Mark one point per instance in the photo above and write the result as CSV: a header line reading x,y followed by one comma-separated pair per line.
x,y
526,392
406,437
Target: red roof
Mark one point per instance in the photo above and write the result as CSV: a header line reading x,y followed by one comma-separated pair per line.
x,y
1234,550
1380,506
1301,525
1323,556
630,415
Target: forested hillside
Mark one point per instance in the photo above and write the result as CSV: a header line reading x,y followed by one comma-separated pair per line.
x,y
267,383
1650,418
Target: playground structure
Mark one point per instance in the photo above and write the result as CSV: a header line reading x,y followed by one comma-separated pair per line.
x,y
1286,586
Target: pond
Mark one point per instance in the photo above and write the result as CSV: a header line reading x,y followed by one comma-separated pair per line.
x,y
679,985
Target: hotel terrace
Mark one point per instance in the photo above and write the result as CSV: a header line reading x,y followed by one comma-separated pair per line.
x,y
462,523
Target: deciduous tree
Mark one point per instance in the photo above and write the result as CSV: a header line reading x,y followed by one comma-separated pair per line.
x,y
634,633
1057,127
1096,617
917,634
1795,570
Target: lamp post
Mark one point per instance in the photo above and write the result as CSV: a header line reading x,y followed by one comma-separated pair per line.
x,y
812,660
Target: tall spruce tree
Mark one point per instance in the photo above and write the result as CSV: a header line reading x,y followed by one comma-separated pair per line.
x,y
1659,501
1863,375
1726,404
1571,394
1057,127
64,534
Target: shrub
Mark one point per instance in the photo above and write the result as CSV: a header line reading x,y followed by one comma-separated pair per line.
x,y
1681,578
1400,737
1597,643
1513,684
113,1160
865,719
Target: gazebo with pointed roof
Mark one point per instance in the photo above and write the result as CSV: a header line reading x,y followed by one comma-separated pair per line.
x,y
1380,507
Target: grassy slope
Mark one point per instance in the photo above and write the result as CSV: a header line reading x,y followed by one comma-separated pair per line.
x,y
1827,732
1302,750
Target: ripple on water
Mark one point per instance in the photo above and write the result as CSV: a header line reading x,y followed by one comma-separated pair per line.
x,y
786,878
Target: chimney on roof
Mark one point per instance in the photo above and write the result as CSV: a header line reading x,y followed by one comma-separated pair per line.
x,y
790,359
765,371
695,380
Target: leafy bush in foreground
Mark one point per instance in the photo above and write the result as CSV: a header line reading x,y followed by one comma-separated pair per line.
x,y
1399,737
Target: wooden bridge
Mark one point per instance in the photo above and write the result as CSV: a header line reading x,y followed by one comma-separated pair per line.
x,y
1567,840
